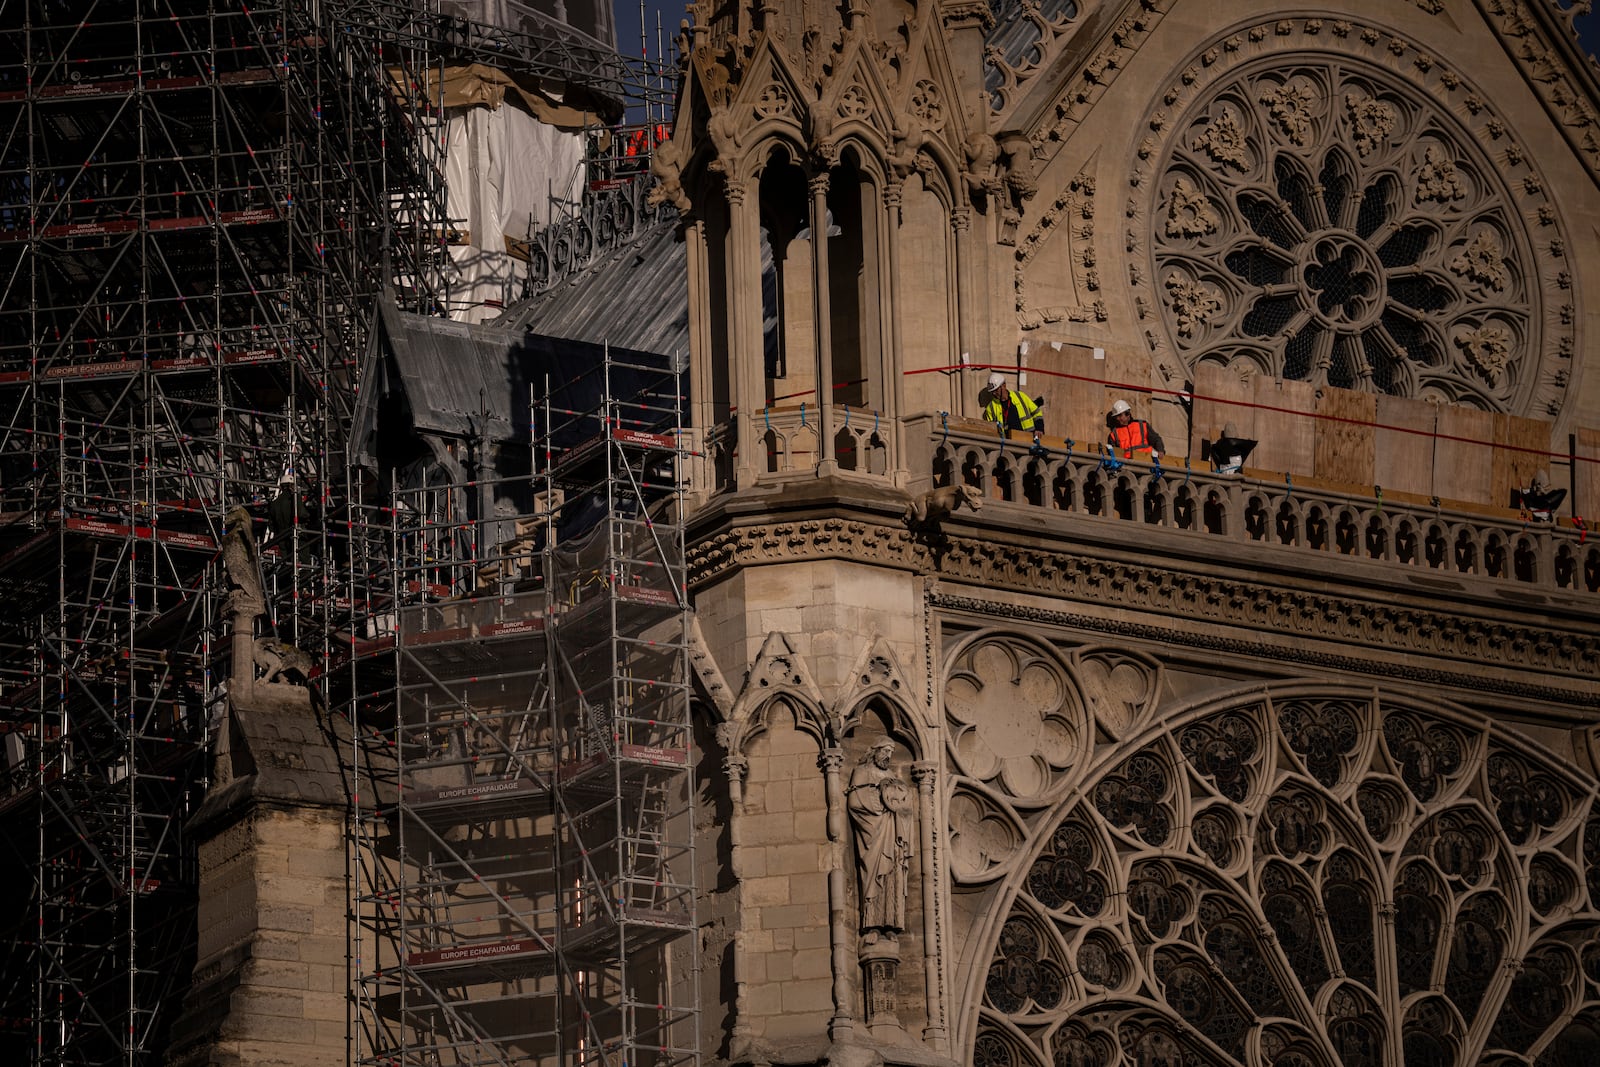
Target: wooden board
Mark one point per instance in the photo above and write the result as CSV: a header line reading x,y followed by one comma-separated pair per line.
x,y
1284,426
1514,468
1403,462
1221,397
1068,380
1585,494
1463,458
1346,440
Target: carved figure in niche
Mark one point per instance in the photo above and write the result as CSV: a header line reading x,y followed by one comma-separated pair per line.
x,y
880,806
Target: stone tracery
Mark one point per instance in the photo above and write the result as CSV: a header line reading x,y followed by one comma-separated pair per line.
x,y
1344,216
1302,878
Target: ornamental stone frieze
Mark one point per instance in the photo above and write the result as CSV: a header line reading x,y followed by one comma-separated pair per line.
x,y
1391,634
1542,40
1212,641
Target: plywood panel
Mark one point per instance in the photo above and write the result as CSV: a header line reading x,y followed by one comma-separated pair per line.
x,y
1346,441
1285,426
1055,376
1067,379
1126,369
1514,468
1221,397
1404,461
1586,475
1463,458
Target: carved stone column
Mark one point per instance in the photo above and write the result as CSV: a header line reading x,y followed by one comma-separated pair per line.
x,y
703,404
924,773
966,328
892,360
742,271
822,311
843,1022
735,767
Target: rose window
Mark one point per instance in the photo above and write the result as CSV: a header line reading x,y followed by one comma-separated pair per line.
x,y
1311,880
1329,221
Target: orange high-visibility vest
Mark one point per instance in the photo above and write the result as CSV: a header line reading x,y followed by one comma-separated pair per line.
x,y
1134,437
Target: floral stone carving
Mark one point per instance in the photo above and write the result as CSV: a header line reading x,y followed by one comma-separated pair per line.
x,y
1013,720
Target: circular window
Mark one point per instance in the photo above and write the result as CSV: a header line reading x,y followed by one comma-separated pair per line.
x,y
1355,220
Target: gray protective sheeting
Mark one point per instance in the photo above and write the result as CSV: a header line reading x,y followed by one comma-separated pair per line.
x,y
460,379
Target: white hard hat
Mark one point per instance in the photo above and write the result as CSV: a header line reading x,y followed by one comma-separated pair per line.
x,y
1120,408
997,381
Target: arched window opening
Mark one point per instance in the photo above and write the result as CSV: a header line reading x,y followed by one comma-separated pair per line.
x,y
853,257
787,332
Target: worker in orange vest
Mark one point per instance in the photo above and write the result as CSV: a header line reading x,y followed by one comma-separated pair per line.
x,y
1132,438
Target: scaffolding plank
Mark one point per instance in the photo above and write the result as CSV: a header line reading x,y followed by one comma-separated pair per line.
x,y
476,801
495,961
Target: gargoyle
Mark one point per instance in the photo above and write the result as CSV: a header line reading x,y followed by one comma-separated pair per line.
x,y
277,659
666,165
936,505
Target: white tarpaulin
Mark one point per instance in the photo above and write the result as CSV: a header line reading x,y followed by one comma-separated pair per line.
x,y
502,166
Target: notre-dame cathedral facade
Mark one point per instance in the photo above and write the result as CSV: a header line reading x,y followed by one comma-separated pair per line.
x,y
1052,757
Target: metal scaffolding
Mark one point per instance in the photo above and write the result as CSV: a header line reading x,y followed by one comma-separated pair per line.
x,y
520,700
199,206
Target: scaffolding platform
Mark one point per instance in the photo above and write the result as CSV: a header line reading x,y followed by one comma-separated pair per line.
x,y
510,960
599,941
602,773
481,801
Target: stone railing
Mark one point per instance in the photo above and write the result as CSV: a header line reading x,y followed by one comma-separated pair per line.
x,y
788,440
1260,507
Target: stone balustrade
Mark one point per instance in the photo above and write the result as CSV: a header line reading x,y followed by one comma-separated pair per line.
x,y
1260,507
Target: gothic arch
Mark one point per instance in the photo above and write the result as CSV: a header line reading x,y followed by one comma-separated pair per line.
x,y
879,680
778,676
1297,875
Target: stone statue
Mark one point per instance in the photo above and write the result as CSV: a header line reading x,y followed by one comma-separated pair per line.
x,y
278,660
880,806
241,561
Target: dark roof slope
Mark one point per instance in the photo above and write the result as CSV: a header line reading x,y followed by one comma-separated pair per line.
x,y
635,297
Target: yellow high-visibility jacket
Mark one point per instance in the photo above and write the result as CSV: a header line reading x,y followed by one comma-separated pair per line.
x,y
1017,412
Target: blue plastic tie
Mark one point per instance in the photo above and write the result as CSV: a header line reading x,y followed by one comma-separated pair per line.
x,y
1156,477
847,416
944,422
1186,471
1070,443
802,413
766,413
1110,461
